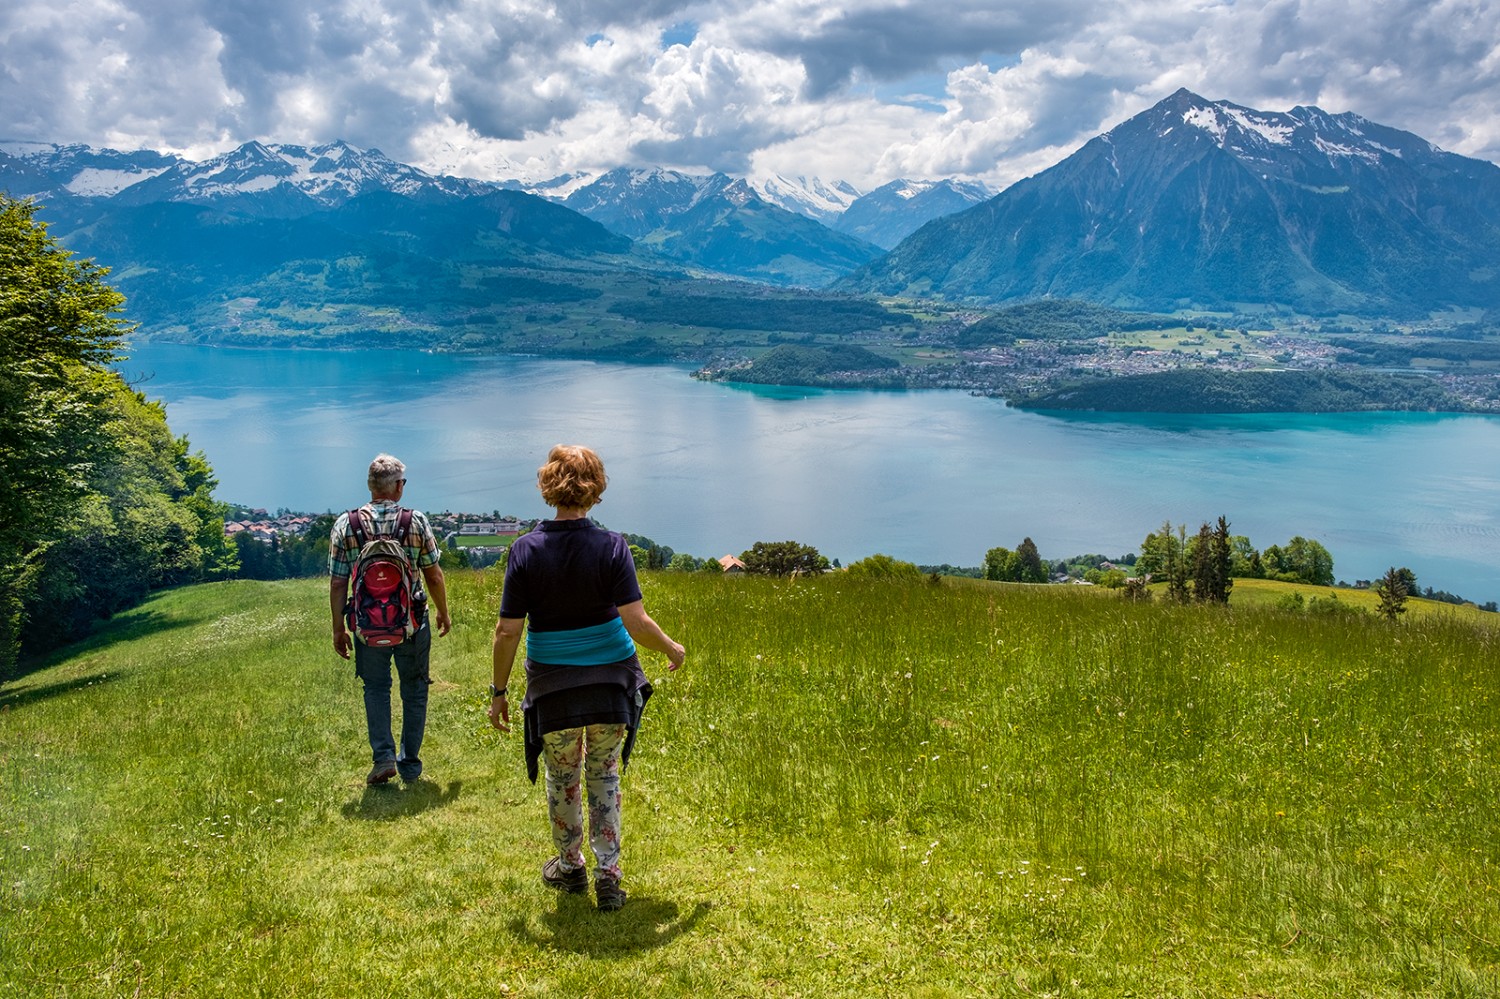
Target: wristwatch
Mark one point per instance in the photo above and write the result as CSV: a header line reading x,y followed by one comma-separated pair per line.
x,y
497,691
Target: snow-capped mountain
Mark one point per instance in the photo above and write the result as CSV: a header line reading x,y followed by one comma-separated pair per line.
x,y
718,222
811,196
258,178
1207,203
634,202
46,170
301,177
889,214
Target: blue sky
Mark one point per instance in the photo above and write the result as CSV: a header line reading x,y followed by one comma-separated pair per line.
x,y
860,91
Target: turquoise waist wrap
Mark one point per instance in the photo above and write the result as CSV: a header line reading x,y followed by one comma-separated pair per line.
x,y
597,645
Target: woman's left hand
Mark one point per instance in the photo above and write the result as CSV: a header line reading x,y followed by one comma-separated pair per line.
x,y
500,713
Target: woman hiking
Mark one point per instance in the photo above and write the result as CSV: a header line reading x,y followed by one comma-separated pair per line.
x,y
572,585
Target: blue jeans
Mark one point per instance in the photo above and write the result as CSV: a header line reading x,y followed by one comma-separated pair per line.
x,y
373,667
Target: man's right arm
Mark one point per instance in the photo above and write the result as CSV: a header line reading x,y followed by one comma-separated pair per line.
x,y
338,584
338,597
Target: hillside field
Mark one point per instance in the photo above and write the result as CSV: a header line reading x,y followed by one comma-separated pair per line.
x,y
853,788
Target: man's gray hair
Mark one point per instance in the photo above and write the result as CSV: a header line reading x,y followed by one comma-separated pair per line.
x,y
385,471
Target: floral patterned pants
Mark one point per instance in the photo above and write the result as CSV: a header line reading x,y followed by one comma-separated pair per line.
x,y
595,752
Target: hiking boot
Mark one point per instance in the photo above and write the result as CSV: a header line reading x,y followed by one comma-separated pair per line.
x,y
380,773
574,882
609,893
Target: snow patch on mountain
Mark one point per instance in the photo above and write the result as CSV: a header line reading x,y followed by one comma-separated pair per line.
x,y
811,196
105,183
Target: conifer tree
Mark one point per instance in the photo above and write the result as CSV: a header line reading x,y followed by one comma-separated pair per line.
x,y
1392,590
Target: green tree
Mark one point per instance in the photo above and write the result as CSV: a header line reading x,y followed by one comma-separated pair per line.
x,y
58,333
1244,560
1212,556
783,558
1302,560
1171,550
1393,591
884,567
102,502
1159,552
1001,564
148,520
1029,565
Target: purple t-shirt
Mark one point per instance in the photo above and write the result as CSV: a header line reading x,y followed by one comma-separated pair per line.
x,y
568,574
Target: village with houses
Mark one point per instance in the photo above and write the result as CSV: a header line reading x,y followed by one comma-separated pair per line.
x,y
483,537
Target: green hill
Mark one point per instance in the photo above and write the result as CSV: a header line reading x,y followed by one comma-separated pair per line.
x,y
1202,390
997,790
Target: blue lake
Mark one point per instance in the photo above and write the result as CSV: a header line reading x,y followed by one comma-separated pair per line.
x,y
930,477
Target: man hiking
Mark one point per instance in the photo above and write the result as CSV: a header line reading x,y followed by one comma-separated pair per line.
x,y
384,618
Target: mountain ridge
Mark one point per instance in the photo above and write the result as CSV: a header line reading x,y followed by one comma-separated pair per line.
x,y
1206,204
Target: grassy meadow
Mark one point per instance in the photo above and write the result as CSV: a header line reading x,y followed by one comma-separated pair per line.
x,y
853,788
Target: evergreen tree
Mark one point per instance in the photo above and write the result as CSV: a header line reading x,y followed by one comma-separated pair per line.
x,y
1201,557
1393,592
1029,565
1177,564
1223,561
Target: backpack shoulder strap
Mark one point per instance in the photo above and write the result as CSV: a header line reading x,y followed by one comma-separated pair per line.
x,y
403,525
357,525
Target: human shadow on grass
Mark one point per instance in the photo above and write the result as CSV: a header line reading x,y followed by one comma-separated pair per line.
x,y
398,800
576,926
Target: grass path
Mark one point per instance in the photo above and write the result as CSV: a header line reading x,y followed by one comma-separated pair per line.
x,y
852,789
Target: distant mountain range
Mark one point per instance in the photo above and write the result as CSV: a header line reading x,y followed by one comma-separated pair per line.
x,y
1206,204
1190,205
776,230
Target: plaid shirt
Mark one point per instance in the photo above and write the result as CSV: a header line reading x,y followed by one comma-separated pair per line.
x,y
420,544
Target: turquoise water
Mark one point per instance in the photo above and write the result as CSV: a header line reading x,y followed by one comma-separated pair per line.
x,y
931,477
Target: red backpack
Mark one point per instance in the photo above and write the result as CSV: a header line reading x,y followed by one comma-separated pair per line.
x,y
385,603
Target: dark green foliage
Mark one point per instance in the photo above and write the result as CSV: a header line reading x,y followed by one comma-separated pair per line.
x,y
57,332
1167,557
149,520
287,556
1209,391
961,571
1212,558
783,558
1393,590
883,567
780,313
794,364
1024,565
1057,319
656,556
1392,355
1302,560
101,502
